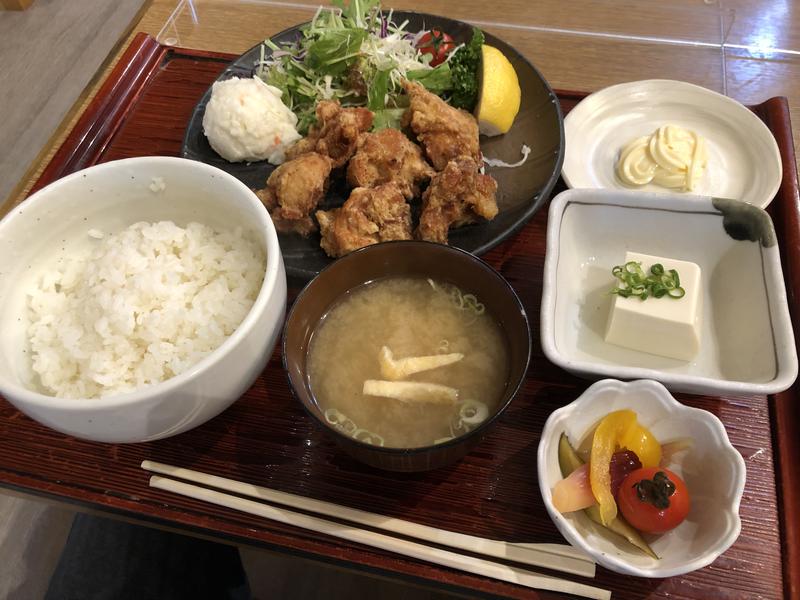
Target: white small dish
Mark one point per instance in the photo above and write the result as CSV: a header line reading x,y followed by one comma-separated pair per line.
x,y
713,470
747,343
743,158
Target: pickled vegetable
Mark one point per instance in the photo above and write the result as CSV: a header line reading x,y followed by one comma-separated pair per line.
x,y
611,429
655,500
672,449
568,461
622,464
574,492
622,528
639,440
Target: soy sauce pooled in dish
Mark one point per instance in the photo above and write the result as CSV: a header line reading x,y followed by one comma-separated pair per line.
x,y
407,362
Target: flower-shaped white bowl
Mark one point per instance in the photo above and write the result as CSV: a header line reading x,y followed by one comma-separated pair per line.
x,y
747,344
713,470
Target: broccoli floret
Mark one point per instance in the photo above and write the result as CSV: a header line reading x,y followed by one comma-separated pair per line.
x,y
464,72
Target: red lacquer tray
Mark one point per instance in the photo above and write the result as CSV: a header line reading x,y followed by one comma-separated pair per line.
x,y
266,438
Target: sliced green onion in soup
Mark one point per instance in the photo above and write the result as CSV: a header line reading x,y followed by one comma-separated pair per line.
x,y
472,412
346,425
333,416
349,427
460,300
368,437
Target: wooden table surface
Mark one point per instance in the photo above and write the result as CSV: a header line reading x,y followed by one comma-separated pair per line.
x,y
596,45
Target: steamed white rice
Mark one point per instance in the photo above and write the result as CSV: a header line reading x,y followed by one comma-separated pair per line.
x,y
143,306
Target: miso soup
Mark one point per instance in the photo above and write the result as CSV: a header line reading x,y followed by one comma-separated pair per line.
x,y
434,360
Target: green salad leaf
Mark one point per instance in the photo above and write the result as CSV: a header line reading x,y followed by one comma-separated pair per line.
x,y
333,51
436,80
350,52
376,94
356,54
357,11
388,118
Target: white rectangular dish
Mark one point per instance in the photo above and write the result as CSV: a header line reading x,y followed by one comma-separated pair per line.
x,y
747,343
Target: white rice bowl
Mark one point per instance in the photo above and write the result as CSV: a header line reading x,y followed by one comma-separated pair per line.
x,y
143,306
246,121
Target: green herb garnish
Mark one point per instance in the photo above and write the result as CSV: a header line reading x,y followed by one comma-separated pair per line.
x,y
464,67
658,283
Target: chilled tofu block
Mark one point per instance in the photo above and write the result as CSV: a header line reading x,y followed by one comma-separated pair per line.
x,y
663,326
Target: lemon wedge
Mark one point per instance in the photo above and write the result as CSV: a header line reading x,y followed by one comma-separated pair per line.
x,y
498,102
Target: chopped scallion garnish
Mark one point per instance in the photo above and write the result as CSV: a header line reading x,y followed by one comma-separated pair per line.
x,y
635,282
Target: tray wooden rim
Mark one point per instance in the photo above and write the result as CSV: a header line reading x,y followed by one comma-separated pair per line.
x,y
95,129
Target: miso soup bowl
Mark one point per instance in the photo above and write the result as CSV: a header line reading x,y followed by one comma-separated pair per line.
x,y
406,259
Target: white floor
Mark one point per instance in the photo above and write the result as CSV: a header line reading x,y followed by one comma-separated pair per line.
x,y
32,535
49,53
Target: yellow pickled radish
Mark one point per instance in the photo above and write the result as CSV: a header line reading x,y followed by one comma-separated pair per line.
x,y
613,427
638,439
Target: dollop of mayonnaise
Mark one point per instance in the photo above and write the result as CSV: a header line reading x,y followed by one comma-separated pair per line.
x,y
672,157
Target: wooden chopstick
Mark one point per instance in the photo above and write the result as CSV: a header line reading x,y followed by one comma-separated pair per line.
x,y
437,556
552,556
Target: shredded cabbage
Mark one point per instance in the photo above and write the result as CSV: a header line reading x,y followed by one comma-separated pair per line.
x,y
352,53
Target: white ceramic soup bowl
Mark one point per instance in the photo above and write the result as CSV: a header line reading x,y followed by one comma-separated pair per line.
x,y
712,468
746,339
109,197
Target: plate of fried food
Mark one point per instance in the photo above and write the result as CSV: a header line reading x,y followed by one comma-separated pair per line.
x,y
363,126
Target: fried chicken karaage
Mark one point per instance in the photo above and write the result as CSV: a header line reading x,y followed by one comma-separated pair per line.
x,y
456,196
385,168
335,133
369,216
388,156
294,189
445,132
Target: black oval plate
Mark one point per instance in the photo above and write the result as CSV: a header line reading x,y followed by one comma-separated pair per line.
x,y
521,190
